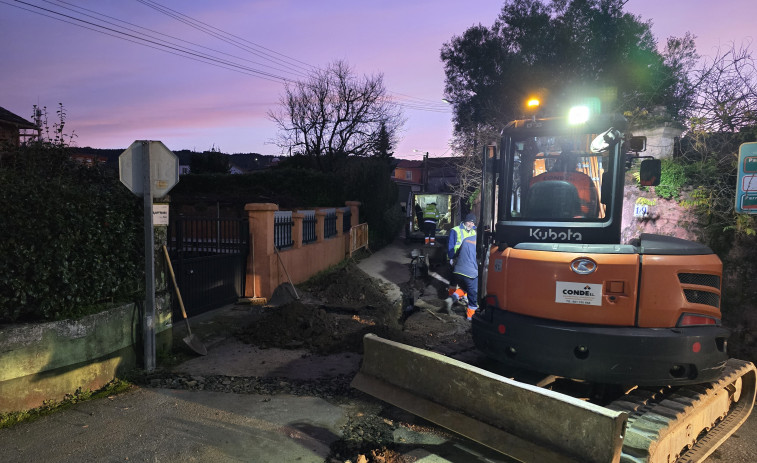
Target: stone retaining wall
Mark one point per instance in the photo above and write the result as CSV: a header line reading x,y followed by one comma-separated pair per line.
x,y
46,361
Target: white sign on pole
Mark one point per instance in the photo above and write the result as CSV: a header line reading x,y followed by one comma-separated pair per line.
x,y
160,214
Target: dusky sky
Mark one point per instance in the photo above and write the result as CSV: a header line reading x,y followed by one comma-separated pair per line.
x,y
210,71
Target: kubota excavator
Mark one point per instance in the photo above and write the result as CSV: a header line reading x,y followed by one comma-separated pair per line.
x,y
637,325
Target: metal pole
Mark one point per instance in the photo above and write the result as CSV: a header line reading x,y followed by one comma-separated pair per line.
x,y
149,314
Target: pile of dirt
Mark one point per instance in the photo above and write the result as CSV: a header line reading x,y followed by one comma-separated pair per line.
x,y
336,309
317,328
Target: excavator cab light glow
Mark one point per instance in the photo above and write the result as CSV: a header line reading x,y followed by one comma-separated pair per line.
x,y
533,103
578,115
691,319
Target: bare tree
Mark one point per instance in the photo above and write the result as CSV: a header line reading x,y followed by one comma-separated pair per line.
x,y
469,148
333,113
726,99
724,116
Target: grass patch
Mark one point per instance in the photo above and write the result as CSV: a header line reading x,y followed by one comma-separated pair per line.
x,y
117,386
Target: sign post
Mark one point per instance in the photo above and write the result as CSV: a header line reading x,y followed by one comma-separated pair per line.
x,y
148,169
746,185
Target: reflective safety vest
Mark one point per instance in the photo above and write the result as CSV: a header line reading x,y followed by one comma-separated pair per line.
x,y
430,212
456,237
465,262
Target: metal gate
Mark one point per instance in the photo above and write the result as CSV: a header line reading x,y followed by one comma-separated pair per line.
x,y
210,259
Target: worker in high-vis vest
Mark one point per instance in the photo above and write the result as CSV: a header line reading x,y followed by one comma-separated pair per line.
x,y
461,251
430,217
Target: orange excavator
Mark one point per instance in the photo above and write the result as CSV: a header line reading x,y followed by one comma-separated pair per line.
x,y
635,327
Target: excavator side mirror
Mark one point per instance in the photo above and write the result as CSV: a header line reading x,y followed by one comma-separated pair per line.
x,y
650,172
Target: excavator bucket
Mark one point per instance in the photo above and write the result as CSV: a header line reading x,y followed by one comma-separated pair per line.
x,y
526,422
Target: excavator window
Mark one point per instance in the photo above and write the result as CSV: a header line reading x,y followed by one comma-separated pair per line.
x,y
558,179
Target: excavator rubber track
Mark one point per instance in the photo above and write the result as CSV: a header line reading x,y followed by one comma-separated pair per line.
x,y
687,423
533,424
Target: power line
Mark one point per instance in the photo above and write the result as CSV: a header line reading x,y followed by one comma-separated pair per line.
x,y
176,50
72,7
157,41
208,28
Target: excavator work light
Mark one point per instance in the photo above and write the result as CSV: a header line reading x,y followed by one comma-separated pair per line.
x,y
578,115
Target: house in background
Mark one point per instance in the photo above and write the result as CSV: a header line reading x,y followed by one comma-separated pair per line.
x,y
14,128
428,181
406,171
88,159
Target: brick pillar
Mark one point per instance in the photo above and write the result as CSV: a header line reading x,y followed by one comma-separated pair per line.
x,y
320,225
339,222
260,217
297,218
355,210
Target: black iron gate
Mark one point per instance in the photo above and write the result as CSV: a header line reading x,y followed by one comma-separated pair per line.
x,y
210,259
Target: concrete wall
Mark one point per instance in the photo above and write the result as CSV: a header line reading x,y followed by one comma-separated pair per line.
x,y
660,140
47,361
266,270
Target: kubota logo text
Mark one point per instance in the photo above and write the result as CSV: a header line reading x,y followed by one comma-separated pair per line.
x,y
552,235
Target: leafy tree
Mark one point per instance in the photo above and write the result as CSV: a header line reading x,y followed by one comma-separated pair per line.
x,y
333,114
384,145
558,50
209,162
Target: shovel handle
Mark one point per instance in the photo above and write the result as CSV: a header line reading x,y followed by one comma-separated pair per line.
x,y
175,285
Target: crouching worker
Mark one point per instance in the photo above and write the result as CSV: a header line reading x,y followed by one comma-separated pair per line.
x,y
461,251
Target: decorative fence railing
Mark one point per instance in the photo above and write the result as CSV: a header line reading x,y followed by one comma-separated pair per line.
x,y
198,236
308,227
282,229
329,223
309,241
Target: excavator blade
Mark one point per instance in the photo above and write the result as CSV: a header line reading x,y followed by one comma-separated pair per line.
x,y
520,420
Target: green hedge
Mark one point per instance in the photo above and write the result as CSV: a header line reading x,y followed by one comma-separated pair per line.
x,y
70,236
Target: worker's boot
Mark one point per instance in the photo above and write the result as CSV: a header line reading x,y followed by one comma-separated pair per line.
x,y
448,306
470,311
427,240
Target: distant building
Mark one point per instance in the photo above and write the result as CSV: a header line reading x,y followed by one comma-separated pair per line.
x,y
89,159
408,171
14,128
